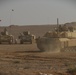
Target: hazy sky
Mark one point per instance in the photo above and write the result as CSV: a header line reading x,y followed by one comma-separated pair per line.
x,y
31,12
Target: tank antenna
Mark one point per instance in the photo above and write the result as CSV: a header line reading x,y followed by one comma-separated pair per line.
x,y
58,27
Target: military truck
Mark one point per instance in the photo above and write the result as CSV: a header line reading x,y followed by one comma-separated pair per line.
x,y
5,37
26,37
62,39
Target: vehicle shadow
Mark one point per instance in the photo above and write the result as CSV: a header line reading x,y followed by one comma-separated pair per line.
x,y
37,51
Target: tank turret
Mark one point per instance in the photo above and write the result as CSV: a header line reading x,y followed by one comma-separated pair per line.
x,y
5,37
26,37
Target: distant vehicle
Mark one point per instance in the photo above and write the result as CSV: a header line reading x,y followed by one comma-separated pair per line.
x,y
5,37
26,37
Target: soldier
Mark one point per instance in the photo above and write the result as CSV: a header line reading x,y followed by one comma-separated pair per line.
x,y
16,41
65,28
5,32
20,35
59,28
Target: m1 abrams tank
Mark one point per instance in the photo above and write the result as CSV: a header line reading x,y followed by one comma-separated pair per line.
x,y
26,37
62,39
5,37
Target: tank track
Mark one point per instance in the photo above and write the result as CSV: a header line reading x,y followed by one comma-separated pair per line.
x,y
69,49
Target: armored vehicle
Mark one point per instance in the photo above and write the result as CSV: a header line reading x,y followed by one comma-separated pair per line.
x,y
62,39
26,37
5,37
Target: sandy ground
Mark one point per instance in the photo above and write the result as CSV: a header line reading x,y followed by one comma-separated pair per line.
x,y
27,59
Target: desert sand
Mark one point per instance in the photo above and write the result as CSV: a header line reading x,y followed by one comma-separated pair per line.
x,y
26,59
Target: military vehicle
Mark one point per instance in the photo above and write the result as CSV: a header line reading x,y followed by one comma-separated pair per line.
x,y
5,37
26,37
62,39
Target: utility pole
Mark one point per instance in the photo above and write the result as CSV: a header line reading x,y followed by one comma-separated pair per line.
x,y
58,27
11,18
